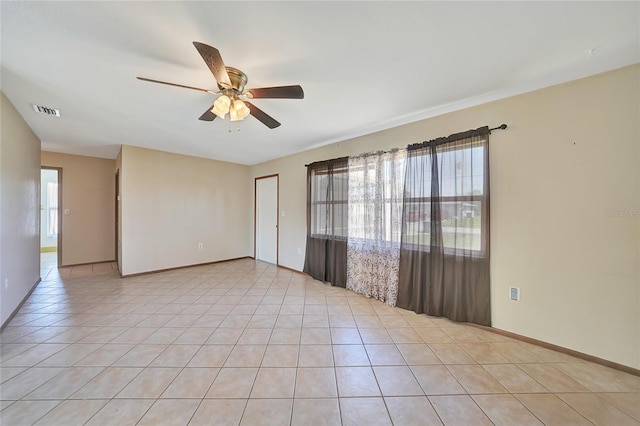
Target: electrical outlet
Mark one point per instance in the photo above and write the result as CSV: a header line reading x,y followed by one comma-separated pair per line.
x,y
299,251
200,246
514,293
6,283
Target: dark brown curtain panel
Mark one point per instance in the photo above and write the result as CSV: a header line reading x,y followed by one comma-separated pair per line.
x,y
327,209
444,252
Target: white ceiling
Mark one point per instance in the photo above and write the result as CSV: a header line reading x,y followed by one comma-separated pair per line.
x,y
364,66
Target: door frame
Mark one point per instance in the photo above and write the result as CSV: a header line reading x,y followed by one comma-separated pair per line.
x,y
255,216
117,219
60,215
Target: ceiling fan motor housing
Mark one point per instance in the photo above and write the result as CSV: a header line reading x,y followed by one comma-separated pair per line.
x,y
238,79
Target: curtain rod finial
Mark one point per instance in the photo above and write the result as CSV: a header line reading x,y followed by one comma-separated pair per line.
x,y
500,127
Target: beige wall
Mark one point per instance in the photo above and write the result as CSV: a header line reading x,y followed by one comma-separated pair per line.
x,y
569,157
171,202
19,209
88,192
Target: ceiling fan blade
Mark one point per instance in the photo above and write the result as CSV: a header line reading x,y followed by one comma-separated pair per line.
x,y
265,118
208,115
281,92
175,84
212,58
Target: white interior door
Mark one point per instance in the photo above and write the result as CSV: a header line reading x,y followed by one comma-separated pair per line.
x,y
267,219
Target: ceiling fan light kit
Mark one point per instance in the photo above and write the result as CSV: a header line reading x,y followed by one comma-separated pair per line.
x,y
231,82
238,110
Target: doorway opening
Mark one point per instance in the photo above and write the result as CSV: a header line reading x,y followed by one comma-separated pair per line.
x,y
117,227
50,219
266,235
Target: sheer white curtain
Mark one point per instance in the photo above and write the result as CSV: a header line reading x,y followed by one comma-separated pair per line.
x,y
376,184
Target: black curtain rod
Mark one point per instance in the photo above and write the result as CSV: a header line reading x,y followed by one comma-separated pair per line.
x,y
500,127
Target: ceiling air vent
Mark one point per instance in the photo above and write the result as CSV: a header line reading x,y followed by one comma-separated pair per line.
x,y
48,111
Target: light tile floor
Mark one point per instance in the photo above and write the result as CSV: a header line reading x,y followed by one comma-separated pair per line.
x,y
49,268
247,343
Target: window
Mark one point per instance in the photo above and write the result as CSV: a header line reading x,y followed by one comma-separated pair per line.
x,y
444,199
52,209
327,205
376,185
328,186
407,226
445,202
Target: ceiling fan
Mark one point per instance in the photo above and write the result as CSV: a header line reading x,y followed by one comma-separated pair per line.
x,y
233,95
